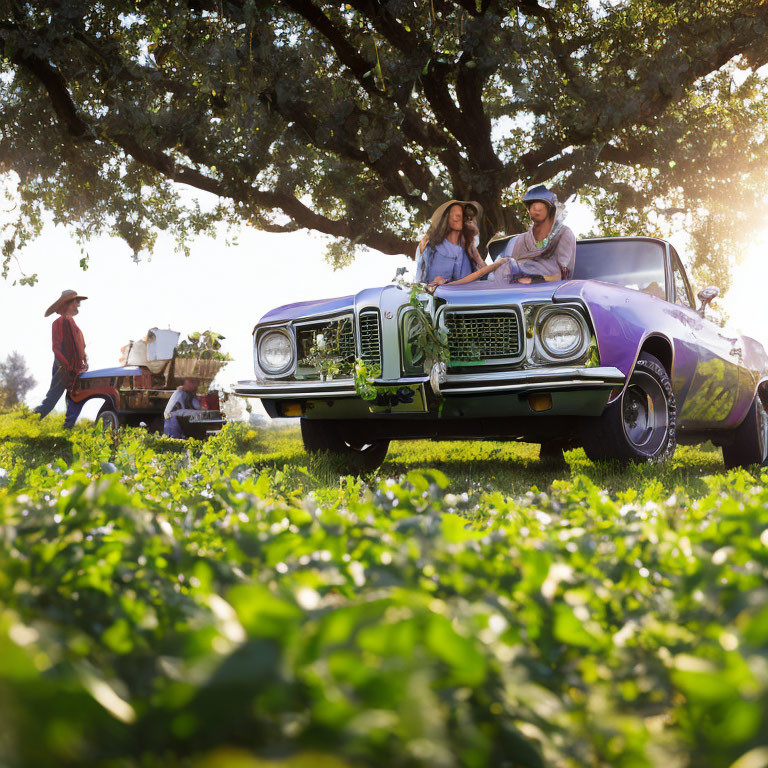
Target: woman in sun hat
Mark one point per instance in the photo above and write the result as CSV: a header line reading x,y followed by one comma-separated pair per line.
x,y
69,356
448,251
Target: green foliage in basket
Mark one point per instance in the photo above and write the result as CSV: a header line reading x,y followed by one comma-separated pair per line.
x,y
202,346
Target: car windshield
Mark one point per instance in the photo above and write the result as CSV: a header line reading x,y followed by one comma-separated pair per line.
x,y
635,264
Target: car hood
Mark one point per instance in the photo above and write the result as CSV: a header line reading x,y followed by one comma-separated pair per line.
x,y
478,293
491,292
302,309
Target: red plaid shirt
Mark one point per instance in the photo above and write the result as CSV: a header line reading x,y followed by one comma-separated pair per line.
x,y
68,344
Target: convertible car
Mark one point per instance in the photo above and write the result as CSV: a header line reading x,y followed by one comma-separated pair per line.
x,y
616,359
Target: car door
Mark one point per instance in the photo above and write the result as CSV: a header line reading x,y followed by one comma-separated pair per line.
x,y
714,391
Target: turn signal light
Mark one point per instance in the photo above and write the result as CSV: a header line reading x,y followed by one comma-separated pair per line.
x,y
540,402
290,409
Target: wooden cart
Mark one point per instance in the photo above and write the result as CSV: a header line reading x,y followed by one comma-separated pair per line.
x,y
135,395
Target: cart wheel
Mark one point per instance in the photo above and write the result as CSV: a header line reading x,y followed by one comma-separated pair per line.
x,y
108,418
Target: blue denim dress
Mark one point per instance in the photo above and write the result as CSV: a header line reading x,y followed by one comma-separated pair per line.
x,y
446,260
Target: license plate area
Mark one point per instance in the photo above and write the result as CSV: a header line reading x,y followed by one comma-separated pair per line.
x,y
402,398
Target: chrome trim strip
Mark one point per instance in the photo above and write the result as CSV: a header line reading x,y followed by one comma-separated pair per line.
x,y
534,375
500,381
290,389
547,385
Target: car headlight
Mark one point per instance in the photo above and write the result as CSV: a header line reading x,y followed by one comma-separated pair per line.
x,y
561,334
275,350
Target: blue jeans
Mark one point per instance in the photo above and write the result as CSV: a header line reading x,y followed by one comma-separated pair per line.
x,y
172,428
59,380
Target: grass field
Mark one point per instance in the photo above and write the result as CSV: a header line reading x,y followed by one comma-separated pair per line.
x,y
235,604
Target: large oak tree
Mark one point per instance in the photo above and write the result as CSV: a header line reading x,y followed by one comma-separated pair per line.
x,y
356,119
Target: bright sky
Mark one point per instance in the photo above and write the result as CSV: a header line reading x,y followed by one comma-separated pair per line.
x,y
224,289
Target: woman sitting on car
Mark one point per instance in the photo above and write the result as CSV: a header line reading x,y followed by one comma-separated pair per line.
x,y
547,251
448,252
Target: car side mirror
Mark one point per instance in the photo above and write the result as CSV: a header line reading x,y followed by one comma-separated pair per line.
x,y
706,296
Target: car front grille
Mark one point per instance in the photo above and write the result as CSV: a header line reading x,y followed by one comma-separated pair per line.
x,y
338,333
475,337
370,338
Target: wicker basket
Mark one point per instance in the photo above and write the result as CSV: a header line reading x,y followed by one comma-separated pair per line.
x,y
205,370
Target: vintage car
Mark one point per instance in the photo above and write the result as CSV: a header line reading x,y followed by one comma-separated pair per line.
x,y
617,360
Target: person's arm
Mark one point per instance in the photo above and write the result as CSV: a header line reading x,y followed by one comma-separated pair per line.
x,y
172,403
486,270
423,255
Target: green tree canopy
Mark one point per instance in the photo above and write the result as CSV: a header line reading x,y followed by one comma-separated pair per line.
x,y
356,119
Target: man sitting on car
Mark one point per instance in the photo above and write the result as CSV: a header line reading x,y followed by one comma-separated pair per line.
x,y
182,403
547,251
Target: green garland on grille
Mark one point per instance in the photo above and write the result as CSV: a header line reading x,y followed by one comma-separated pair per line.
x,y
431,339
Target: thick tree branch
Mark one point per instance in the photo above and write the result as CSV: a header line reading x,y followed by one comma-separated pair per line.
x,y
63,104
51,79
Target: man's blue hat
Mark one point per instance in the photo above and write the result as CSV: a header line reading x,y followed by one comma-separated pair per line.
x,y
538,193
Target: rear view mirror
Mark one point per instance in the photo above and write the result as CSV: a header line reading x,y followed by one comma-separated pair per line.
x,y
706,296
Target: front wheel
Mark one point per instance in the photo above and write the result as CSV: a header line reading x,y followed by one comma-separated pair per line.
x,y
551,454
323,436
750,439
641,425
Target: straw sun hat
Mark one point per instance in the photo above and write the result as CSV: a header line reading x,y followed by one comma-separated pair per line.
x,y
435,220
65,298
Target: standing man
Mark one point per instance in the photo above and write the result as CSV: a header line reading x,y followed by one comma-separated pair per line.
x,y
69,356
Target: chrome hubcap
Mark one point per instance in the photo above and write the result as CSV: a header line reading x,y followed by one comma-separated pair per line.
x,y
110,420
645,413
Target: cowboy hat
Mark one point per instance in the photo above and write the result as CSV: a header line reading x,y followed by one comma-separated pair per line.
x,y
65,298
436,216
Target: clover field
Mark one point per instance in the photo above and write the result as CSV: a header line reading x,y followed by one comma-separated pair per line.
x,y
235,605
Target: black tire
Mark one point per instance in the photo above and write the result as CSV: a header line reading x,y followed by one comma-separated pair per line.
x,y
750,439
641,425
323,436
551,454
109,418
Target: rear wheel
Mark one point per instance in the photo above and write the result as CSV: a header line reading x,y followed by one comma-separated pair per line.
x,y
641,425
108,418
354,458
750,439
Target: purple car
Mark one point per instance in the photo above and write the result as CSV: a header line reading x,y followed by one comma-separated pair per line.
x,y
617,360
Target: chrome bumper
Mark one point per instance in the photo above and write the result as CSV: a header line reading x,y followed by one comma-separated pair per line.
x,y
455,384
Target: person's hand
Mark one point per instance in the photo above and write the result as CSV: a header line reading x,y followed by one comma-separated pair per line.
x,y
439,280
